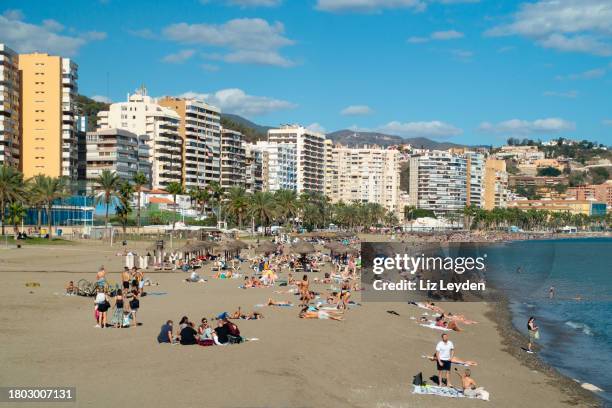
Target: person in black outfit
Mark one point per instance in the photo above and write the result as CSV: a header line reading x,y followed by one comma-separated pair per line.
x,y
189,335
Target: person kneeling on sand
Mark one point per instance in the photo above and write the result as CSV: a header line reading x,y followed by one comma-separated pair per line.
x,y
470,389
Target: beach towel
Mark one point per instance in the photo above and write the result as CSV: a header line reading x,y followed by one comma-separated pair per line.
x,y
447,392
156,293
433,326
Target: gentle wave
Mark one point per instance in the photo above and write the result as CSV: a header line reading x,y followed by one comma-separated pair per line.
x,y
581,327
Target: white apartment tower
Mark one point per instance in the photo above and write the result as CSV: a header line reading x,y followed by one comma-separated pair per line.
x,y
439,181
279,165
200,129
69,125
143,116
366,175
309,153
233,165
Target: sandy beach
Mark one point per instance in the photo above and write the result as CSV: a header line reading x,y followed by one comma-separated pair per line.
x,y
367,360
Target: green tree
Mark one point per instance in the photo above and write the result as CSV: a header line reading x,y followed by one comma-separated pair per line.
x,y
175,189
262,208
237,203
16,213
287,203
107,184
11,189
124,205
549,172
140,181
50,189
599,175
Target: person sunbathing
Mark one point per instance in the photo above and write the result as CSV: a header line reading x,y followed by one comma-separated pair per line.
x,y
455,360
460,318
237,314
308,313
278,303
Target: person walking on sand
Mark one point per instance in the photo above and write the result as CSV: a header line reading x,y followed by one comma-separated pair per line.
x,y
534,333
445,351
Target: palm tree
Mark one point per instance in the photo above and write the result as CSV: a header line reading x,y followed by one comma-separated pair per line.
x,y
262,208
11,189
140,180
50,189
287,203
174,188
34,186
107,184
216,192
203,198
237,203
124,207
16,212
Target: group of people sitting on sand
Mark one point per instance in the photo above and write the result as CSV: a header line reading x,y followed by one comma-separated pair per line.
x,y
226,332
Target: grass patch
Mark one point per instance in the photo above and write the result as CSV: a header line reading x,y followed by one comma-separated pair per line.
x,y
36,241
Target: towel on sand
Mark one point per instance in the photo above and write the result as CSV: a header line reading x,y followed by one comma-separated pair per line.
x,y
433,326
448,392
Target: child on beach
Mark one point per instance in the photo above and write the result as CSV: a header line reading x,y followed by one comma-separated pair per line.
x,y
71,289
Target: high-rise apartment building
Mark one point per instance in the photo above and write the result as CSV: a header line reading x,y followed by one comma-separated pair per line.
x,y
309,153
279,165
116,150
254,160
48,123
475,179
9,108
233,164
495,184
158,126
438,181
331,171
367,175
200,129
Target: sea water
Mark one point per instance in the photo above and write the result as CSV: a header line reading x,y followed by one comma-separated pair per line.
x,y
576,323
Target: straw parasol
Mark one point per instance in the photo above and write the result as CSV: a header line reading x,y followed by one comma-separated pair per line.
x,y
303,248
265,247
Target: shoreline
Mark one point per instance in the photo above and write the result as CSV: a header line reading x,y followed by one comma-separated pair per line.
x,y
500,315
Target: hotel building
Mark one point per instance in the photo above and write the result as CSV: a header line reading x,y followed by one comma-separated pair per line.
x,y
279,165
9,108
366,175
48,123
116,150
596,192
200,129
233,158
254,160
438,181
585,207
309,153
158,125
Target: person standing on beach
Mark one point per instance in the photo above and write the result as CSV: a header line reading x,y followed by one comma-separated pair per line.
x,y
534,333
445,351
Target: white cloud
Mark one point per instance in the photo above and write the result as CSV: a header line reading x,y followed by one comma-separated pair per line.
x,y
437,36
565,25
26,37
607,122
316,127
179,57
234,100
568,94
435,129
248,40
524,127
590,74
368,6
446,35
100,98
356,110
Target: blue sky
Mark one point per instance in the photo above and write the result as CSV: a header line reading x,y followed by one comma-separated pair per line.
x,y
470,71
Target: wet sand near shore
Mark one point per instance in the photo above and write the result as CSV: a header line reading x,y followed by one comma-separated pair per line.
x,y
368,360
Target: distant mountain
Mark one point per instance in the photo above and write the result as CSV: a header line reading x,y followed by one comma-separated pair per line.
x,y
252,131
353,139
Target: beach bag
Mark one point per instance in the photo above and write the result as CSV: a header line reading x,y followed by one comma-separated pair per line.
x,y
234,339
418,379
536,335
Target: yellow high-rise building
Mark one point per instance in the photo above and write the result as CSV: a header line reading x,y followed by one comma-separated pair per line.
x,y
495,184
48,89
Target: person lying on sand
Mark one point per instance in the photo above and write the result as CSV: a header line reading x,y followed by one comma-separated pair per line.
x,y
307,313
459,318
455,360
278,303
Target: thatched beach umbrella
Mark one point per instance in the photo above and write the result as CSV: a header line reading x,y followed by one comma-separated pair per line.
x,y
265,247
303,248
